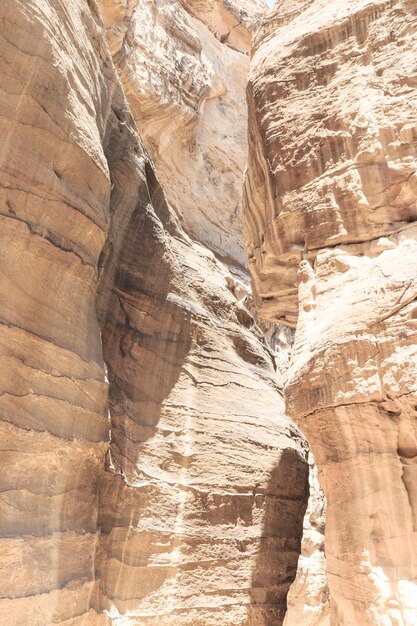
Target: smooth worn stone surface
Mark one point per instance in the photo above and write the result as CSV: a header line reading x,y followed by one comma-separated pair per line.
x,y
186,85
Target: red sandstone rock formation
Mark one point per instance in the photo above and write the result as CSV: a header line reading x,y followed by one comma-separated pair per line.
x,y
149,474
330,212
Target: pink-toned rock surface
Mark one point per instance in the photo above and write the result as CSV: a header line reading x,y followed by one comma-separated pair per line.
x,y
330,212
161,484
186,86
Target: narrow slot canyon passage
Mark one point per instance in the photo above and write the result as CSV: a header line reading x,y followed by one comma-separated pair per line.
x,y
195,514
199,489
208,258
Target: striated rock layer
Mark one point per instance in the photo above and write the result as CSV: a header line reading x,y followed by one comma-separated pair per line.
x,y
55,104
155,485
185,80
331,196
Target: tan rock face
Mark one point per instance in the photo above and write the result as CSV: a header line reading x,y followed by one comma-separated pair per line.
x,y
308,598
55,188
187,93
202,522
331,197
230,21
199,538
189,511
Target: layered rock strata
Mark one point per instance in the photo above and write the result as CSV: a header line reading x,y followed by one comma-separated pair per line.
x,y
330,212
56,110
156,485
185,80
203,523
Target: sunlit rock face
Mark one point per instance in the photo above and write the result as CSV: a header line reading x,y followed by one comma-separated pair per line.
x,y
184,69
55,102
161,484
196,542
330,212
206,486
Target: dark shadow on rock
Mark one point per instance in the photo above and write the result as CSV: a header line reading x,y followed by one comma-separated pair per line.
x,y
146,335
146,330
285,503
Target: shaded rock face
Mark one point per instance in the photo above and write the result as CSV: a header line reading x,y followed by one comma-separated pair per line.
x,y
150,475
202,523
330,212
308,598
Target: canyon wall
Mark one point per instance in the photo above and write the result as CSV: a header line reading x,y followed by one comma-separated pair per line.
x,y
308,602
183,66
150,475
330,217
56,112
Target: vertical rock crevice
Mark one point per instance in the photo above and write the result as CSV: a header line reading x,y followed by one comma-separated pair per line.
x,y
192,500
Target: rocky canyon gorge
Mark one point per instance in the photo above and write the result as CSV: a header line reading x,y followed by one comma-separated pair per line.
x,y
208,259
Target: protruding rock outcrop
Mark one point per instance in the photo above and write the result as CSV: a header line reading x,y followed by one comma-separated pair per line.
x,y
189,510
330,212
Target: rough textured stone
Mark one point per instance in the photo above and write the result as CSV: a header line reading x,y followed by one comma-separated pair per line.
x,y
180,498
202,524
187,361
331,197
231,21
308,598
186,88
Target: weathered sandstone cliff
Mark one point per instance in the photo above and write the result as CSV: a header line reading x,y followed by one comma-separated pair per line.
x,y
330,211
149,474
184,66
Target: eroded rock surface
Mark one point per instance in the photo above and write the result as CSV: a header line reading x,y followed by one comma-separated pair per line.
x,y
186,86
202,525
174,437
308,598
55,102
331,197
179,498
